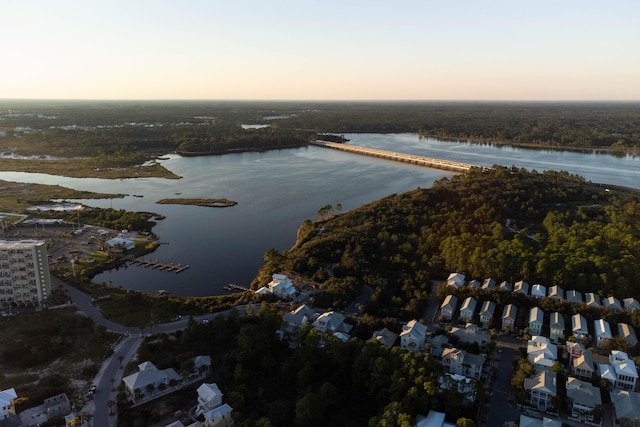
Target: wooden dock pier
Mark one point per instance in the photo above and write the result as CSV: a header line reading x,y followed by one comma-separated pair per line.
x,y
233,287
399,157
159,265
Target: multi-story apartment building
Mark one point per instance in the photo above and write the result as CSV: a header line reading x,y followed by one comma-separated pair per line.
x,y
24,272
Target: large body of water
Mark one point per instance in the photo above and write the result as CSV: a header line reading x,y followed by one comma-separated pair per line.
x,y
277,190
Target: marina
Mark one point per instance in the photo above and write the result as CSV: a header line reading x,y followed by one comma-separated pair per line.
x,y
158,265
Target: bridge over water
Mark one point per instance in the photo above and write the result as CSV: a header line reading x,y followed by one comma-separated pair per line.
x,y
399,157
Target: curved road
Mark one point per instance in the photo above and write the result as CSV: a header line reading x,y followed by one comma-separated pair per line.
x,y
97,412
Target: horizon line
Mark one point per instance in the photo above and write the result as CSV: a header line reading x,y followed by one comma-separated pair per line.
x,y
320,100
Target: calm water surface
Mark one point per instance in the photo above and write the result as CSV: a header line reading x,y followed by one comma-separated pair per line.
x,y
278,190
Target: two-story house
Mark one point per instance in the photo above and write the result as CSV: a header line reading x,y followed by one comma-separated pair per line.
x,y
612,303
505,286
602,331
148,381
521,287
556,326
536,321
210,406
579,328
7,403
628,334
448,307
575,349
625,370
542,388
281,286
541,352
621,371
487,312
488,284
294,320
332,322
474,284
460,362
468,309
413,336
456,280
582,366
509,317
574,297
556,292
385,337
631,304
591,299
538,291
584,398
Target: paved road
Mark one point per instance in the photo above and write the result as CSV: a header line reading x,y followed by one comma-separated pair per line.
x,y
98,409
500,410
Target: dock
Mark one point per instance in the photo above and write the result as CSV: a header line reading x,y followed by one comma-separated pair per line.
x,y
160,265
399,157
233,287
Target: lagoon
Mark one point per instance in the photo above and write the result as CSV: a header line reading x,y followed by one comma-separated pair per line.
x,y
277,190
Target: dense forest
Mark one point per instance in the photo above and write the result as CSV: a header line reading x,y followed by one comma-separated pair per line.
x,y
356,383
507,223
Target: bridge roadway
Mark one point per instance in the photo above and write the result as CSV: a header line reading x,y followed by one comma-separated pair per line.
x,y
399,157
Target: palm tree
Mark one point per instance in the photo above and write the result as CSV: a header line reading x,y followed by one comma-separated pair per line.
x,y
120,359
111,404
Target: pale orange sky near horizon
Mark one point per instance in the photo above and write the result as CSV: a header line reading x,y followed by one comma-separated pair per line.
x,y
330,50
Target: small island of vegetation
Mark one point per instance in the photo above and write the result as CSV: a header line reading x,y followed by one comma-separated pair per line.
x,y
210,203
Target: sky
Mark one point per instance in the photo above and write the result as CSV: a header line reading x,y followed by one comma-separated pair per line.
x,y
320,50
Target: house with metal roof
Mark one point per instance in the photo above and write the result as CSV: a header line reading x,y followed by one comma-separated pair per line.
x,y
612,303
456,280
628,334
148,381
509,317
536,321
602,331
556,326
488,284
521,287
7,403
385,337
584,398
631,304
474,284
626,405
542,388
591,299
582,366
448,307
468,309
556,292
413,336
538,291
505,286
574,296
487,312
579,328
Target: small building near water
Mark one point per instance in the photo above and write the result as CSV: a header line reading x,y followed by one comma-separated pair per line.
x,y
121,243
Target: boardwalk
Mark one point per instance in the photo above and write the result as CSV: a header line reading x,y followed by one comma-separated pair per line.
x,y
399,157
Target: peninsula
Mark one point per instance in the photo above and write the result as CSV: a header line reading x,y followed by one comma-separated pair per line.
x,y
210,203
